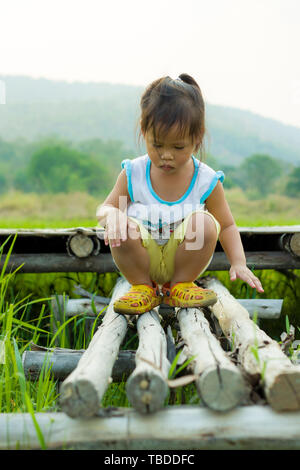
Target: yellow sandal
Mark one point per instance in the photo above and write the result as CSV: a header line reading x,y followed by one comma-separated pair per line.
x,y
187,294
139,299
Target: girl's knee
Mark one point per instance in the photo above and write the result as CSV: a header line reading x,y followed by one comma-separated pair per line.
x,y
201,225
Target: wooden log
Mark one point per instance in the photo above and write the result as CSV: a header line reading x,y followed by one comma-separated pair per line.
x,y
82,391
220,384
55,262
62,363
259,355
82,246
147,386
60,263
264,308
173,428
74,307
291,243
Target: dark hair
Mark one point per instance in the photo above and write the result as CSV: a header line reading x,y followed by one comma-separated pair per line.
x,y
167,102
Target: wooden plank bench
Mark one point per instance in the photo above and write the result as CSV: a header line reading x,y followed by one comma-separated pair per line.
x,y
82,249
219,382
223,384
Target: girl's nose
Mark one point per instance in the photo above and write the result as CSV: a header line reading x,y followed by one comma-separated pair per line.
x,y
166,155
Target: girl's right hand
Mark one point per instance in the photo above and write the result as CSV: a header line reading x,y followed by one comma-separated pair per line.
x,y
115,227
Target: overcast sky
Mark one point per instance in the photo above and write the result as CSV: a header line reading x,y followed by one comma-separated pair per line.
x,y
243,53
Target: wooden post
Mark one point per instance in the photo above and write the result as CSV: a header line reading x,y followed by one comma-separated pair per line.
x,y
259,355
74,307
264,308
172,428
63,362
102,263
82,246
147,386
290,242
220,383
82,391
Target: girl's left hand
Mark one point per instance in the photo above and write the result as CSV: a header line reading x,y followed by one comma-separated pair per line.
x,y
244,273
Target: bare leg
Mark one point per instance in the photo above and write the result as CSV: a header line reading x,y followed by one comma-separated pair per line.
x,y
132,258
189,262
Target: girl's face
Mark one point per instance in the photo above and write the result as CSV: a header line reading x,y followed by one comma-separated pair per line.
x,y
170,152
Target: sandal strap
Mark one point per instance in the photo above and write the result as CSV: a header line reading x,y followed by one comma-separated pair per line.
x,y
184,290
143,290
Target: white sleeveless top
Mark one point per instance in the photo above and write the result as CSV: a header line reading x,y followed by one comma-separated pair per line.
x,y
161,217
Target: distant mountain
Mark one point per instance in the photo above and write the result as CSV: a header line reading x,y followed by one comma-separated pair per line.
x,y
78,111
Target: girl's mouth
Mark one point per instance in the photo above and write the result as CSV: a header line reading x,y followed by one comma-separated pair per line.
x,y
167,167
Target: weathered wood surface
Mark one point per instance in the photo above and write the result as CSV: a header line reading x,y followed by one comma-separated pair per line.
x,y
82,246
103,262
278,229
173,428
47,232
74,307
147,386
264,308
290,243
259,355
62,363
82,391
220,383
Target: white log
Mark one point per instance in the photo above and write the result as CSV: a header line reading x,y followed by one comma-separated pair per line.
x,y
264,308
82,245
220,383
82,391
291,242
74,307
259,354
173,428
295,244
147,386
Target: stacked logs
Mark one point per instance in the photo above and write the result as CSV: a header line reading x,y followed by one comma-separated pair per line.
x,y
222,383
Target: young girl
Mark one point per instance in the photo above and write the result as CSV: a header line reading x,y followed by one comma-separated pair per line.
x,y
168,209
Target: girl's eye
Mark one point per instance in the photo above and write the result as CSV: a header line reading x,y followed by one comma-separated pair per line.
x,y
156,145
179,148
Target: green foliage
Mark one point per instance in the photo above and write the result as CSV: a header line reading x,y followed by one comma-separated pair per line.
x,y
61,169
258,174
3,183
293,185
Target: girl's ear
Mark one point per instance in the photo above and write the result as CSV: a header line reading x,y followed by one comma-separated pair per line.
x,y
197,146
142,130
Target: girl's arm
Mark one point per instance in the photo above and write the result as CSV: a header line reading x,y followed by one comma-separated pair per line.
x,y
230,238
112,212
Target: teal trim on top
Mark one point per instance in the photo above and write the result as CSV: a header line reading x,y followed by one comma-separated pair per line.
x,y
218,176
196,167
127,165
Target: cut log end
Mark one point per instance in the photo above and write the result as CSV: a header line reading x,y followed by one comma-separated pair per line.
x,y
284,394
79,400
146,399
295,244
221,389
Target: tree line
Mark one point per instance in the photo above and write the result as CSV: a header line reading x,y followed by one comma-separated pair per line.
x,y
54,166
